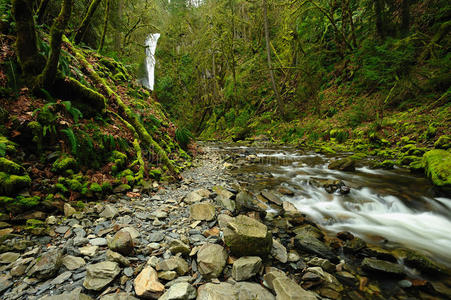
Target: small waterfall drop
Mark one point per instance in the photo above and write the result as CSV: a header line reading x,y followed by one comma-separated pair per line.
x,y
151,46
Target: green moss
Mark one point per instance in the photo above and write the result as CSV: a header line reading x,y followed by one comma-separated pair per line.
x,y
63,164
74,185
359,155
79,204
408,159
387,164
10,167
443,142
119,77
11,184
95,187
437,165
120,161
417,166
155,173
61,188
35,223
36,130
107,187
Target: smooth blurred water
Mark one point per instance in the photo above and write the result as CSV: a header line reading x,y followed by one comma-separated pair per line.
x,y
392,205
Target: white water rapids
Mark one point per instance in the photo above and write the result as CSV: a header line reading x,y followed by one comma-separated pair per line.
x,y
394,205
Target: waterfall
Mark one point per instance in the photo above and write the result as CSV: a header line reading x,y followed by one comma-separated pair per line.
x,y
151,46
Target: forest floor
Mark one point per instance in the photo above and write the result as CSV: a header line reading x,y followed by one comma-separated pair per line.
x,y
182,242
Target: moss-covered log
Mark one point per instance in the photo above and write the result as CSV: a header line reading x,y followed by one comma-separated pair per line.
x,y
26,43
48,75
128,114
86,21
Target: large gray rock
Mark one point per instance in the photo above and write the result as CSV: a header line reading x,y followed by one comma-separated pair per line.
x,y
246,267
252,291
180,291
47,265
76,294
247,237
211,259
202,211
72,262
147,285
121,242
382,266
221,291
100,275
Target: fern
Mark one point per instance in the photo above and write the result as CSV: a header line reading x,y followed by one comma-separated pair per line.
x,y
183,137
2,149
76,113
72,139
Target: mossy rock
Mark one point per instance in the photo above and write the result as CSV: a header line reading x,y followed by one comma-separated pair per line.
x,y
344,164
437,164
36,227
10,167
12,184
417,166
63,164
419,261
107,187
120,161
443,142
95,188
19,204
406,160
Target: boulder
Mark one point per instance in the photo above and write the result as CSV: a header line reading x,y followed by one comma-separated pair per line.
x,y
180,291
100,275
437,164
246,267
247,237
344,164
211,259
202,211
121,242
147,285
47,265
173,263
221,291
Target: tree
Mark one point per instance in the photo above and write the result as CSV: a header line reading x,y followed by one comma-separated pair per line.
x,y
86,21
105,25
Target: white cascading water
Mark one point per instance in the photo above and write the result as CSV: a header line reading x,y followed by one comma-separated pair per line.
x,y
151,46
391,204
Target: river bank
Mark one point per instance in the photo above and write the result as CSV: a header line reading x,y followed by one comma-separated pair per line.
x,y
208,236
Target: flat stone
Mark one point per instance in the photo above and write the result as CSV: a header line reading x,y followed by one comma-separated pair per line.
x,y
160,214
8,257
221,291
121,242
211,259
252,291
177,246
109,212
100,275
156,236
62,229
246,267
192,197
72,262
117,257
312,245
167,275
381,266
279,251
247,237
173,263
225,202
88,250
76,294
98,242
47,265
286,288
147,284
180,291
118,296
202,211
5,282
61,278
271,197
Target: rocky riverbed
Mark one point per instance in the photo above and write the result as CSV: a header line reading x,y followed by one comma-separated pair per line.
x,y
206,237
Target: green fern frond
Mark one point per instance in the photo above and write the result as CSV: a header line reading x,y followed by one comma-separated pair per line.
x,y
183,137
72,139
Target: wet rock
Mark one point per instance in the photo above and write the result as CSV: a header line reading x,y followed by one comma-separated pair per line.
x,y
8,257
344,164
416,260
100,275
355,245
69,210
314,246
381,266
279,251
109,212
251,291
72,262
271,197
247,237
76,294
287,289
323,263
202,211
147,285
180,291
221,291
211,259
285,191
121,242
47,265
246,267
245,201
192,197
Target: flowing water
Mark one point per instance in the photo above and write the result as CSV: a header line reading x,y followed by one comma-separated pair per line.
x,y
392,207
151,46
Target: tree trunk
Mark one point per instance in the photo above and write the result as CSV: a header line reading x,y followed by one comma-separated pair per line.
x,y
105,25
268,54
47,77
26,46
405,17
232,49
41,10
379,19
86,21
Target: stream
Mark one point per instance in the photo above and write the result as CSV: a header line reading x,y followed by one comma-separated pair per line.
x,y
385,207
